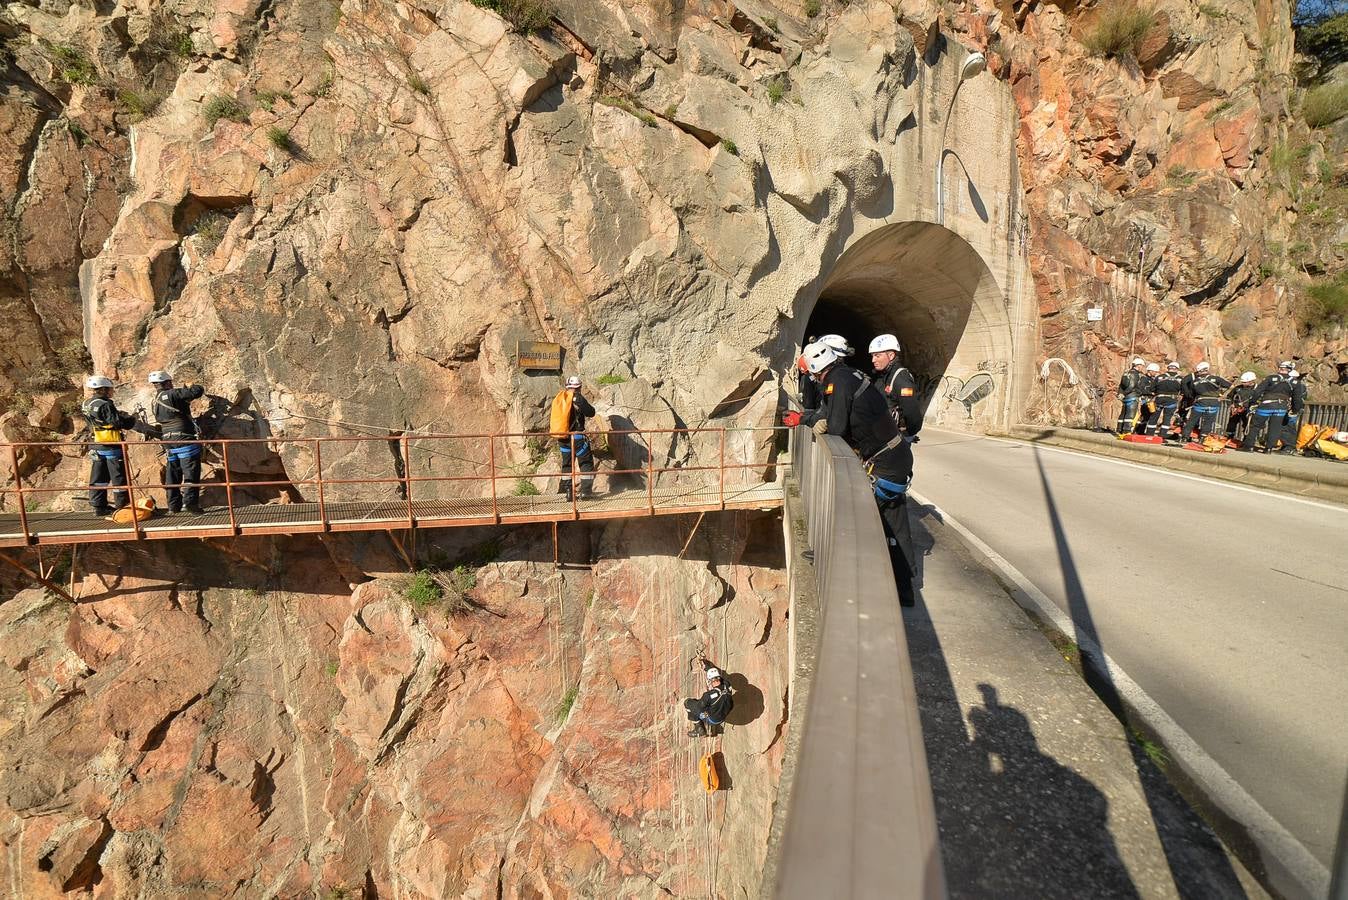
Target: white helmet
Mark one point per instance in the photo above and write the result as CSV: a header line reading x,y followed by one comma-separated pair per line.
x,y
1172,367
95,382
1285,364
838,343
713,672
1248,378
1202,367
159,376
819,356
1153,367
573,381
1294,374
1138,361
884,342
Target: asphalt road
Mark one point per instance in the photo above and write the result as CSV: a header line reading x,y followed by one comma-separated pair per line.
x,y
1228,606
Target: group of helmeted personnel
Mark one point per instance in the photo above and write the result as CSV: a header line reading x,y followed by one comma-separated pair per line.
x,y
1179,407
173,424
879,418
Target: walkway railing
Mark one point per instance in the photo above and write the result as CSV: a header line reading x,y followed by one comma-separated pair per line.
x,y
417,480
861,820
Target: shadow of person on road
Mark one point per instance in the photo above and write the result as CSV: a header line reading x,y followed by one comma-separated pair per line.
x,y
1014,822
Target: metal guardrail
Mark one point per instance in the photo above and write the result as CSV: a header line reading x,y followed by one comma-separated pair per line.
x,y
431,480
1327,415
861,820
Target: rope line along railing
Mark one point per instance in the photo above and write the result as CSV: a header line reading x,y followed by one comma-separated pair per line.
x,y
860,820
343,483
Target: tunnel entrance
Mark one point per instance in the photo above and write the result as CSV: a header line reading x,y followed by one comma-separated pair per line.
x,y
929,287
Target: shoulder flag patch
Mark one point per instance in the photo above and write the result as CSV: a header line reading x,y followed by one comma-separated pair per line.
x,y
905,392
829,389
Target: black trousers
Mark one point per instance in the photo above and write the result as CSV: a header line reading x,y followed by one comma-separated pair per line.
x,y
1289,431
584,467
1126,414
1204,415
694,709
899,536
1159,421
1237,422
1268,416
110,471
182,470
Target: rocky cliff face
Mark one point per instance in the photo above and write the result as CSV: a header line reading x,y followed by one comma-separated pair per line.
x,y
267,730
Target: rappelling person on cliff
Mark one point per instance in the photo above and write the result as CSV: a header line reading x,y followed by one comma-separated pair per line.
x,y
856,411
570,409
708,712
182,466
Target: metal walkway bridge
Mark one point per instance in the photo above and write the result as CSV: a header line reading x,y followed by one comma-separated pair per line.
x,y
408,481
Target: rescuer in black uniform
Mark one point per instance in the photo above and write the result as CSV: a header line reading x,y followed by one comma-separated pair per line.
x,y
576,440
1268,408
897,384
1148,396
1293,423
1165,401
1240,396
108,467
1131,386
857,412
1204,391
710,710
173,414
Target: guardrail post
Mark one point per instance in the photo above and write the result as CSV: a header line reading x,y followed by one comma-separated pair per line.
x,y
491,462
650,473
18,486
407,481
130,490
322,499
722,467
575,477
229,487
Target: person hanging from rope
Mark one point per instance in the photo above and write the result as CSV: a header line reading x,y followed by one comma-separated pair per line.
x,y
570,409
173,413
108,468
709,711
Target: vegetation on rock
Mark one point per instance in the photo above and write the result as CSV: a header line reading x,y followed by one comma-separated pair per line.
x,y
525,15
220,106
1118,30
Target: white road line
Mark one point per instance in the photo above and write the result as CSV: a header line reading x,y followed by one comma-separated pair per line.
x,y
1291,868
1281,495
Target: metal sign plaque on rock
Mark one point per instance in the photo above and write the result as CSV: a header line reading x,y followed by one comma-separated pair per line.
x,y
538,355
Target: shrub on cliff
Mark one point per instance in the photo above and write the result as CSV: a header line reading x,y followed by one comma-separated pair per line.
x,y
1118,30
1325,304
1325,104
525,15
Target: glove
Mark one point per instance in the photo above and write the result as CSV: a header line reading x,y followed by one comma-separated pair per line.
x,y
821,427
791,419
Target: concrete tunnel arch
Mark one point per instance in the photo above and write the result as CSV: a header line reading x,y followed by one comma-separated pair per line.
x,y
931,288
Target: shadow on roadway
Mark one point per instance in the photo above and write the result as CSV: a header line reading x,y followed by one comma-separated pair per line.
x,y
1197,860
1014,822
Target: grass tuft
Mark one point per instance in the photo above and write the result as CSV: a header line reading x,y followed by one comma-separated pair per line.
x,y
72,66
418,84
566,703
140,104
611,379
423,590
220,107
629,107
777,88
524,15
730,147
1325,304
1325,104
525,488
812,8
267,99
1119,30
279,138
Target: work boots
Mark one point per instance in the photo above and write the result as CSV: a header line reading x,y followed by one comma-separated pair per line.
x,y
699,729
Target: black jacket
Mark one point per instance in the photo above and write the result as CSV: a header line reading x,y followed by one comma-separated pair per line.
x,y
1131,384
1169,385
1240,394
856,411
716,703
173,412
1205,386
101,412
1274,387
580,411
900,390
1298,396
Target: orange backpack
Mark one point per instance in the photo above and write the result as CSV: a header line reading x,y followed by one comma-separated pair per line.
x,y
559,423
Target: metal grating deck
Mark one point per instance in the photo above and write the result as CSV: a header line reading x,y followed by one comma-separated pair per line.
x,y
296,518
